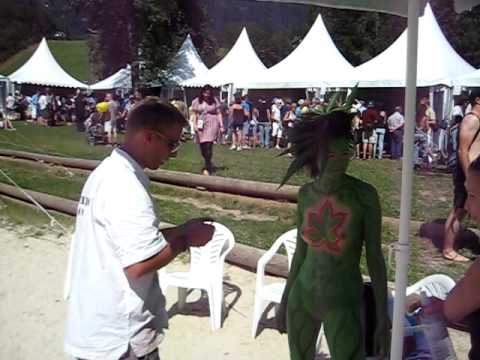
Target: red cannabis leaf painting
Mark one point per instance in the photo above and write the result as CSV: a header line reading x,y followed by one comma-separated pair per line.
x,y
324,226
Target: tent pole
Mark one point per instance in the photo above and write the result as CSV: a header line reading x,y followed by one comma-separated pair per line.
x,y
402,248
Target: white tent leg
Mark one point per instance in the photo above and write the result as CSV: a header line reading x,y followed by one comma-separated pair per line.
x,y
402,250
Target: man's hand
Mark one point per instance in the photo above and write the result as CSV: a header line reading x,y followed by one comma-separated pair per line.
x,y
197,232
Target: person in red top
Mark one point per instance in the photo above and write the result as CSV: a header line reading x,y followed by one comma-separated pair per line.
x,y
369,118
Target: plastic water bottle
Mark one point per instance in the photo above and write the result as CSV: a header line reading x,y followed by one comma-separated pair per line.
x,y
436,333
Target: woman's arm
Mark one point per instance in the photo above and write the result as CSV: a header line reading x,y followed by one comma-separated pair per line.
x,y
376,266
464,298
219,117
194,114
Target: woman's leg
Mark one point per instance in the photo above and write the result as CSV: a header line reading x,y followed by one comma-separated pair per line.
x,y
343,330
302,327
203,151
208,157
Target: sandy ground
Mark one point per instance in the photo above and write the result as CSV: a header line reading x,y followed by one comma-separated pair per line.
x,y
32,310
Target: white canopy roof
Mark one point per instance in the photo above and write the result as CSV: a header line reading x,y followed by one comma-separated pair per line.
x,y
186,64
122,79
241,64
438,63
469,80
43,69
316,62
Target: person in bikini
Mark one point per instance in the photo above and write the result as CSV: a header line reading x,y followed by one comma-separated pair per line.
x,y
468,150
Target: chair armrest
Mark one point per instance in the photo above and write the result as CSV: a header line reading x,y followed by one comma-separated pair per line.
x,y
264,260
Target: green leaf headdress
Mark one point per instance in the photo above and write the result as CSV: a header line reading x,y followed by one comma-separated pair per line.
x,y
312,132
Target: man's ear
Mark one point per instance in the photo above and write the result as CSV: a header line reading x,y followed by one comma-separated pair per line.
x,y
147,136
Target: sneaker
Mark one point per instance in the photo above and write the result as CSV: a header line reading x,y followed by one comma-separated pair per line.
x,y
245,147
278,147
239,148
233,147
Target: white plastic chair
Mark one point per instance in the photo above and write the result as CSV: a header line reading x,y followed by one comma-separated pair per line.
x,y
437,285
268,293
206,273
272,293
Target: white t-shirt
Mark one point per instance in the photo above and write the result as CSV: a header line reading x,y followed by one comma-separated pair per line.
x,y
276,113
10,102
116,227
457,111
42,102
395,120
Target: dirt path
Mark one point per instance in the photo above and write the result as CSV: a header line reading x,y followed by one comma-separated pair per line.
x,y
32,312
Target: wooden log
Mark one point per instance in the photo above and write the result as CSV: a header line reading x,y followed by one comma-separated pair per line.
x,y
262,190
51,202
243,256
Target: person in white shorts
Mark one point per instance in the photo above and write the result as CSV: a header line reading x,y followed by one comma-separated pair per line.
x,y
276,122
111,125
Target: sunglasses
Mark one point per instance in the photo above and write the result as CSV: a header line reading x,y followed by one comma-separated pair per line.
x,y
173,145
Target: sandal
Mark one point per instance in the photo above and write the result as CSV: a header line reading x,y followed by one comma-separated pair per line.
x,y
456,257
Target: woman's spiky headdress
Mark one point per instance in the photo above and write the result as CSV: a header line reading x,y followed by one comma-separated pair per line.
x,y
312,132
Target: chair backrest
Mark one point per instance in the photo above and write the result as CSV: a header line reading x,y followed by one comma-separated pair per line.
x,y
437,285
289,240
215,251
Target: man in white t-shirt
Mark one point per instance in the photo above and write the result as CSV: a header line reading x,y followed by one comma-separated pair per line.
x,y
276,116
114,114
43,108
10,102
396,122
116,309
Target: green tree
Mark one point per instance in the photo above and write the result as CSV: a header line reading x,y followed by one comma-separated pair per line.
x,y
468,40
24,22
360,35
112,34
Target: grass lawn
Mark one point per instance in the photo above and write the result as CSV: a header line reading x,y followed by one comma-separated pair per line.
x,y
432,194
71,55
255,225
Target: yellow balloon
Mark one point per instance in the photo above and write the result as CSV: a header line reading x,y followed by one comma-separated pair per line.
x,y
102,106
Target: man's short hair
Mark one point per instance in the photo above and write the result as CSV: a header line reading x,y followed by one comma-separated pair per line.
x,y
152,113
474,94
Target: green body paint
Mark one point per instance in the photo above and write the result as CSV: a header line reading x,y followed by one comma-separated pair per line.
x,y
336,216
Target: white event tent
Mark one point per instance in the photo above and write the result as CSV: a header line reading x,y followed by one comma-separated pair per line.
x,y
438,63
43,69
122,79
468,80
186,64
240,65
411,9
316,62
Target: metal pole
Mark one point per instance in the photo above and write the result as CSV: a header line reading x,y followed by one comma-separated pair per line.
x,y
402,249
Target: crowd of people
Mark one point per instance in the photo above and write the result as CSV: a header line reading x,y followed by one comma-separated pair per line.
x,y
244,124
84,109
